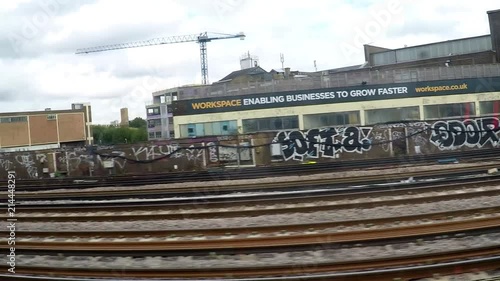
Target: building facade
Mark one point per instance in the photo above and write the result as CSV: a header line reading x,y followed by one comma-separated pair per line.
x,y
427,82
36,130
159,115
468,95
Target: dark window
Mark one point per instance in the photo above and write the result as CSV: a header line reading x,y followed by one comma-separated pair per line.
x,y
489,107
392,115
270,124
450,110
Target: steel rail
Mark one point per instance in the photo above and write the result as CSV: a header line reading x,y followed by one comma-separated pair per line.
x,y
270,242
278,185
399,273
257,230
200,211
424,265
309,197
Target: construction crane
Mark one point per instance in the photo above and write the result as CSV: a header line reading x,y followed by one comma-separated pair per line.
x,y
202,39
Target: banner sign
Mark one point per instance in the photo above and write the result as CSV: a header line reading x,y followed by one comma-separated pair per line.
x,y
335,95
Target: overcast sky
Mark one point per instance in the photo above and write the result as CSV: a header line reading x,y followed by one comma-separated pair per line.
x,y
38,40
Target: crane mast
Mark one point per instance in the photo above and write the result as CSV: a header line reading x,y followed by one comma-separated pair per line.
x,y
202,39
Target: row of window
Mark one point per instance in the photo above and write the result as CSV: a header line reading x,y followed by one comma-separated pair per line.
x,y
23,118
163,110
373,116
153,111
270,124
158,122
158,135
209,129
14,119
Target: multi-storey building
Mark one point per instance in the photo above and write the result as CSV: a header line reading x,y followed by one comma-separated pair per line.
x,y
159,115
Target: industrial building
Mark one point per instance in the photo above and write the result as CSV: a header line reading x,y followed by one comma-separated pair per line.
x,y
48,129
455,78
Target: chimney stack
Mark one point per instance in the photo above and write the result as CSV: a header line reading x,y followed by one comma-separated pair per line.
x,y
124,117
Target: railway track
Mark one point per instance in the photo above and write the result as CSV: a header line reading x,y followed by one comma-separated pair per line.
x,y
336,201
481,258
411,272
216,174
409,192
327,181
283,238
416,244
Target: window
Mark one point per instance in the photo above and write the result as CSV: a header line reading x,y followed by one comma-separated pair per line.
x,y
449,110
162,99
153,111
331,119
154,123
14,119
158,135
489,107
209,129
152,135
392,115
169,109
270,124
170,120
168,99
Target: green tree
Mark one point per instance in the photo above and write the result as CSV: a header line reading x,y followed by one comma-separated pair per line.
x,y
110,135
138,122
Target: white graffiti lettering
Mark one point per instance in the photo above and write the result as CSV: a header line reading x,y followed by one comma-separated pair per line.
x,y
454,134
26,161
325,142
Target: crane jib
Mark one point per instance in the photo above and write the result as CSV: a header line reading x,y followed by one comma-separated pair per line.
x,y
201,38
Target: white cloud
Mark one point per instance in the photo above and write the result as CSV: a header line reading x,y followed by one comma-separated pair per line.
x,y
47,73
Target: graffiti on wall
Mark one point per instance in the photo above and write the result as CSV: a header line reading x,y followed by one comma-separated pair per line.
x,y
6,164
454,134
213,155
324,142
27,161
156,151
73,160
